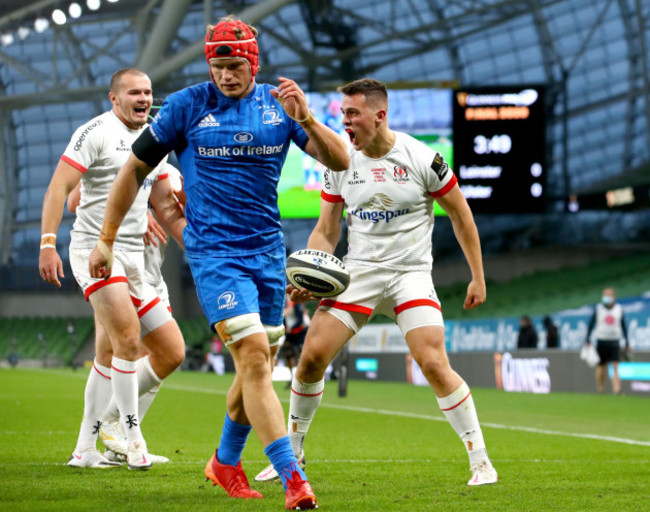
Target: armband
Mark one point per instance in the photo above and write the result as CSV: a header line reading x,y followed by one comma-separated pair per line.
x,y
147,149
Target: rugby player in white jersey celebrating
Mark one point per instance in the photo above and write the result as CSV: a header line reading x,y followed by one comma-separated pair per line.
x,y
388,192
95,153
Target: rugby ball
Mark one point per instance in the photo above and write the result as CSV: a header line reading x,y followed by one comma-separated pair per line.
x,y
319,272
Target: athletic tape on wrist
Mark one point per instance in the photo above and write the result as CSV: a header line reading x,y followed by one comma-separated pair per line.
x,y
107,252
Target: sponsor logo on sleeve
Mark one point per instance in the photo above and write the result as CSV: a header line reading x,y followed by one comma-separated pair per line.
x,y
84,134
326,179
439,166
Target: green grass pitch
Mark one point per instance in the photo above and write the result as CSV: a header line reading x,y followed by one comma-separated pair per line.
x,y
384,447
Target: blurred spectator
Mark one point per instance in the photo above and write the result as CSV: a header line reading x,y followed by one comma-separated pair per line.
x,y
608,326
527,334
552,336
296,321
215,357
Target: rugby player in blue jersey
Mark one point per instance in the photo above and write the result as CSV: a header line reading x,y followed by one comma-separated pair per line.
x,y
231,136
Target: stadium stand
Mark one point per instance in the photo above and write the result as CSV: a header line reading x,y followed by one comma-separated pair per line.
x,y
44,339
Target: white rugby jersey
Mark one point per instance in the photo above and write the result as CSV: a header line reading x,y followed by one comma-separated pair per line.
x,y
154,256
98,149
389,203
609,324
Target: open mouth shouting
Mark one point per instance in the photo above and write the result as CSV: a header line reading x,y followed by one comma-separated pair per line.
x,y
352,135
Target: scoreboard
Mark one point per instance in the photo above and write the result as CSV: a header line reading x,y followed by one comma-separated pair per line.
x,y
500,148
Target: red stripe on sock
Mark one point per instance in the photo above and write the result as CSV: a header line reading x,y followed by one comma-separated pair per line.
x,y
454,406
121,371
105,376
305,394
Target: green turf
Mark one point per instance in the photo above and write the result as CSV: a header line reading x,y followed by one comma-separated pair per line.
x,y
381,448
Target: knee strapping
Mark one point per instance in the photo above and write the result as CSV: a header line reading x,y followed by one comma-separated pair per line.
x,y
274,333
234,329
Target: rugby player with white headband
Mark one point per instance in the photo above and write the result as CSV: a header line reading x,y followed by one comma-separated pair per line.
x,y
231,136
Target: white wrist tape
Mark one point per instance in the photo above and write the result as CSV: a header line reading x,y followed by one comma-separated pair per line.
x,y
107,252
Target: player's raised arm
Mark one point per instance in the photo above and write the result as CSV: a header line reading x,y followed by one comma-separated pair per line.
x,y
121,197
462,220
324,144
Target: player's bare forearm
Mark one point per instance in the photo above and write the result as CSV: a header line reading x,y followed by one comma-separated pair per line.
x,y
466,233
122,195
63,181
326,146
171,217
327,232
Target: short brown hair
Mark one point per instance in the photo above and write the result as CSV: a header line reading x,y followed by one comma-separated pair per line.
x,y
116,79
373,90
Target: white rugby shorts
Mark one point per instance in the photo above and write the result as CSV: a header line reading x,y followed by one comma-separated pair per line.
x,y
409,298
128,267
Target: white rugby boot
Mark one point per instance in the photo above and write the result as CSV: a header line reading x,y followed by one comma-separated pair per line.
x,y
91,458
138,457
269,474
112,436
483,473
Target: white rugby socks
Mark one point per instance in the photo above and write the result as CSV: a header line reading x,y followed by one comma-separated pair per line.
x,y
305,399
148,386
125,391
96,397
461,413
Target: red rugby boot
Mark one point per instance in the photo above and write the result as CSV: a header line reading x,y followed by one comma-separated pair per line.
x,y
300,495
231,478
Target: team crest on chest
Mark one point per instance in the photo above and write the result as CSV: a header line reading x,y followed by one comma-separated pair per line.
x,y
400,174
271,115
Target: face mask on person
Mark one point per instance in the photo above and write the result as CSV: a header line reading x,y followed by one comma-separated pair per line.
x,y
607,300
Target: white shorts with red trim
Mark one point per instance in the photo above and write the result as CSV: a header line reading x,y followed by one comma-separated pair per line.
x,y
128,267
409,298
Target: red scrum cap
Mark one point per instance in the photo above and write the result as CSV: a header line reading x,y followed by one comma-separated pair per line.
x,y
230,39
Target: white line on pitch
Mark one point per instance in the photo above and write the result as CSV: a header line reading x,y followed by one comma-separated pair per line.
x,y
403,414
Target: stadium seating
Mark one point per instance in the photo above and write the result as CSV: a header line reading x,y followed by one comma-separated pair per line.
x,y
546,292
44,338
534,294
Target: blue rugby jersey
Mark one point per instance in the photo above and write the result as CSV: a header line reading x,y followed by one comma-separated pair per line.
x,y
231,153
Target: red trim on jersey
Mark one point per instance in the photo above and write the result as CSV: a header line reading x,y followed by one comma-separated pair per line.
x,y
121,371
169,308
136,302
330,198
100,284
416,303
352,308
105,376
148,307
304,394
446,188
163,176
74,164
454,406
